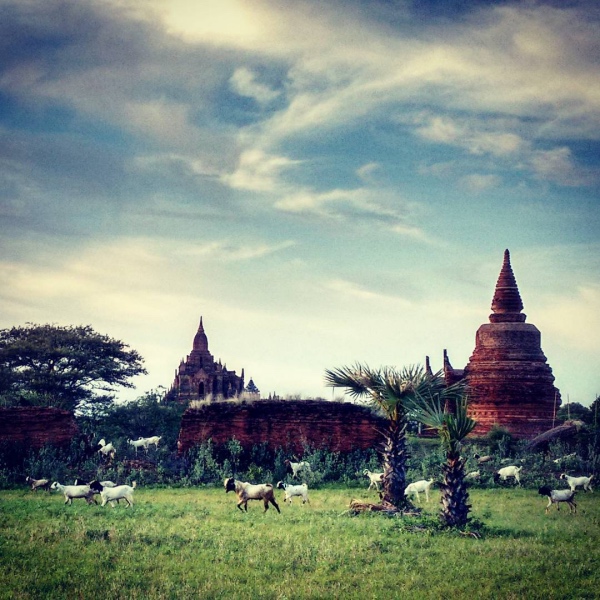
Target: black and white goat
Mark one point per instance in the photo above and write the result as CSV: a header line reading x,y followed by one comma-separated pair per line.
x,y
112,494
295,468
558,496
107,450
247,491
575,482
294,490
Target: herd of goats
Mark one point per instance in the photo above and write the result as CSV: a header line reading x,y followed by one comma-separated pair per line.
x,y
111,492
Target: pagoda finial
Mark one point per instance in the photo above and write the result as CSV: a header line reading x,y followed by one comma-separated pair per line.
x,y
507,304
200,339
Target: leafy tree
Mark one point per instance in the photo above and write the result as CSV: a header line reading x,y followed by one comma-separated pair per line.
x,y
453,425
70,367
575,411
390,391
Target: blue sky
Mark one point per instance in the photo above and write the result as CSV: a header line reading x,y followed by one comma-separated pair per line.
x,y
324,183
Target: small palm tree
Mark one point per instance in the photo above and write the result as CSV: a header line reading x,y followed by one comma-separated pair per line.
x,y
453,425
389,390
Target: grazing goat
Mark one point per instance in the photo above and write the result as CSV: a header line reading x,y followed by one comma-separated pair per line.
x,y
112,494
42,484
419,486
293,468
558,496
561,459
246,491
374,479
75,491
510,471
473,475
294,490
107,449
482,459
575,482
141,443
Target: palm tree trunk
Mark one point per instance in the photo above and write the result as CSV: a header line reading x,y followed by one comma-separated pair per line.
x,y
395,457
455,497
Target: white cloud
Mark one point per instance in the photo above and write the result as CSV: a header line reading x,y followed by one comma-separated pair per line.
x,y
477,183
572,319
243,81
258,171
225,251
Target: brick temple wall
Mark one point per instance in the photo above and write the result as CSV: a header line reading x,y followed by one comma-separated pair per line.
x,y
289,424
37,427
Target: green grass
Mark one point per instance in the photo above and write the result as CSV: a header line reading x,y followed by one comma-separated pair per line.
x,y
194,543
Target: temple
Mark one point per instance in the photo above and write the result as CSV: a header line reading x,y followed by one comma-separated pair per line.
x,y
508,380
199,377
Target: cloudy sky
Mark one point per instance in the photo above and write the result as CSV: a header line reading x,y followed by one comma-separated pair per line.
x,y
323,182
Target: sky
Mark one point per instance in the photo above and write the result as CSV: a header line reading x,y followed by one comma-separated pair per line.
x,y
324,183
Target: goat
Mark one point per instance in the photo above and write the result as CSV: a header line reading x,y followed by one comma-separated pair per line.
x,y
107,449
75,491
482,459
42,484
419,486
293,468
374,479
294,490
153,440
141,443
473,475
112,494
558,496
575,482
510,471
561,459
246,491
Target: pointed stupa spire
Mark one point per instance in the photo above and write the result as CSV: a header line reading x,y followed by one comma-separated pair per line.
x,y
507,304
200,339
428,370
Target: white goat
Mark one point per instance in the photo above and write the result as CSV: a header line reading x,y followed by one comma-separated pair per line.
x,y
374,479
482,459
473,475
510,471
107,449
75,491
561,459
296,467
247,491
153,440
419,486
42,484
141,443
575,482
558,496
112,494
294,490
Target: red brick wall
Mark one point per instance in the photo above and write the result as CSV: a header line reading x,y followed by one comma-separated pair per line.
x,y
287,423
37,427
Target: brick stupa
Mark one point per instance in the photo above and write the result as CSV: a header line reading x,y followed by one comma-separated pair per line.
x,y
510,383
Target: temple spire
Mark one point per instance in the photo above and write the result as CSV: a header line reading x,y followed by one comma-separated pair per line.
x,y
507,304
200,339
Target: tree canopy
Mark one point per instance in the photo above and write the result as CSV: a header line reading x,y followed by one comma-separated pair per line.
x,y
68,367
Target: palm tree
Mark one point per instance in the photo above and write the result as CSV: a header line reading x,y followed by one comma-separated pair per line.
x,y
453,425
390,390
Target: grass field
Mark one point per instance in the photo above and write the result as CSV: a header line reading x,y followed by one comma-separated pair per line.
x,y
194,543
